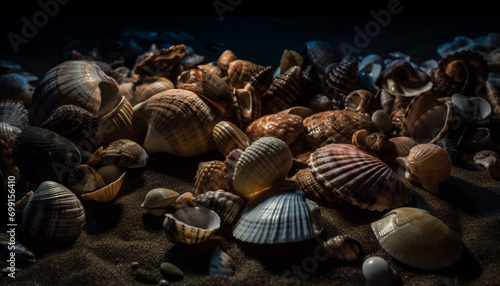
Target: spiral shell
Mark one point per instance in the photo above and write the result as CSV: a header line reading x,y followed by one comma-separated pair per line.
x,y
321,54
158,200
227,137
341,78
165,63
122,153
414,237
400,78
285,91
53,214
493,97
286,127
83,179
361,100
190,225
210,176
227,205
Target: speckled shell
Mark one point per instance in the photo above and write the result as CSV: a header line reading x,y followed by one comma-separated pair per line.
x,y
122,153
341,78
14,113
81,83
227,137
400,78
149,86
358,177
158,200
227,205
428,164
320,54
44,155
416,238
165,63
361,100
190,225
53,214
210,176
285,91
280,125
179,123
14,86
278,217
264,163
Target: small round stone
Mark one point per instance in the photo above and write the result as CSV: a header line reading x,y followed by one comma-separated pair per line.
x,y
377,272
171,272
134,265
163,282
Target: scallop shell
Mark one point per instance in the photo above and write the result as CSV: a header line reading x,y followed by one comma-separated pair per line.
x,y
81,83
227,205
398,146
400,78
53,214
314,189
416,238
149,86
122,153
210,176
43,155
428,164
266,162
358,177
112,186
165,63
190,225
16,87
158,200
361,100
14,113
179,123
286,127
341,78
227,136
279,217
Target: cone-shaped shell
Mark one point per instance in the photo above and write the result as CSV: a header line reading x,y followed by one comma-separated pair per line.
x,y
341,78
280,216
190,225
53,214
264,163
358,177
416,238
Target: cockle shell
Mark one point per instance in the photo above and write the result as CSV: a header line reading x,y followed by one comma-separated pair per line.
x,y
227,205
157,200
227,137
14,113
358,177
416,238
279,216
284,92
53,214
361,100
342,77
264,163
398,146
315,190
122,153
190,225
165,63
428,164
286,127
14,86
43,155
400,78
81,83
179,123
210,176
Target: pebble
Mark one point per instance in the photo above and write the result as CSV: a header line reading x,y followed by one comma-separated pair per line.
x,y
134,265
171,272
163,282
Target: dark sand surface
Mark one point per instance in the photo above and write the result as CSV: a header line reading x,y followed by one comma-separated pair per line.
x,y
121,232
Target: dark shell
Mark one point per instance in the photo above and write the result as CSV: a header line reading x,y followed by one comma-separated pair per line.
x,y
341,78
14,86
342,247
226,204
320,54
14,113
284,92
165,63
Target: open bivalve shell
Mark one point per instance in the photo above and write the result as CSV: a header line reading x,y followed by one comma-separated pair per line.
x,y
113,178
190,225
281,215
414,237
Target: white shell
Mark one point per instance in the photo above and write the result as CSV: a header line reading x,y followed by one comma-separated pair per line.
x,y
190,225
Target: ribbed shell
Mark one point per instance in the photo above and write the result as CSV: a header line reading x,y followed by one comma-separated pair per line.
x,y
416,238
81,83
320,54
53,214
227,205
179,123
285,91
341,78
106,193
123,153
314,189
118,123
286,127
210,176
149,86
14,113
358,177
227,137
190,225
8,133
15,86
282,217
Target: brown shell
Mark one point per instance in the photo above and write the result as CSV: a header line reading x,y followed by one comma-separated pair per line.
x,y
361,100
165,63
210,176
122,153
400,78
314,189
146,87
225,58
342,247
493,97
282,126
227,136
227,205
240,72
247,104
341,78
290,58
285,91
118,123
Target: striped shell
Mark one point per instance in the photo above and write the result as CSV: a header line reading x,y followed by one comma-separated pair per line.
x,y
8,133
122,153
16,87
227,137
109,191
358,177
14,113
284,92
53,214
416,238
190,225
286,127
118,123
341,78
149,86
210,176
227,205
281,216
179,123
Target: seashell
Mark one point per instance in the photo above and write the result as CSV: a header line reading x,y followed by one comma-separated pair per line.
x,y
458,43
8,133
361,100
210,176
471,109
382,120
16,87
118,123
113,179
279,125
165,63
314,189
179,123
377,272
75,123
386,100
279,216
398,146
369,70
7,165
376,142
264,163
452,148
209,87
122,153
14,113
227,136
184,200
398,112
342,247
157,200
416,238
321,102
247,104
301,111
212,68
230,163
334,126
321,54
290,58
220,263
53,214
493,97
83,179
190,225
24,256
342,77
358,177
240,72
80,83
227,205
490,160
479,139
191,58
400,78
225,58
146,87
428,164
43,155
284,92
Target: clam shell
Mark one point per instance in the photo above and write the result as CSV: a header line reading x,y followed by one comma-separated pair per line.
x,y
179,123
16,87
8,133
428,164
190,225
414,237
227,205
278,217
286,127
53,214
264,163
81,83
227,136
358,177
14,113
158,200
